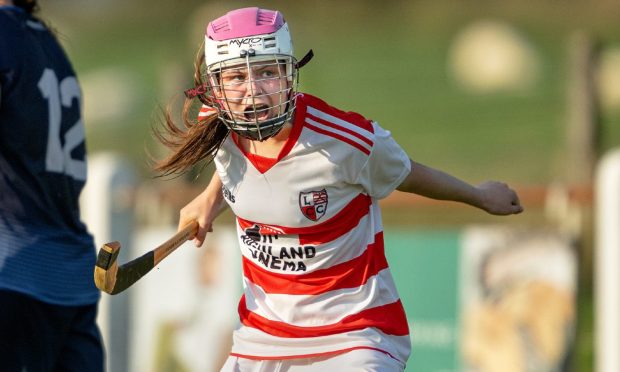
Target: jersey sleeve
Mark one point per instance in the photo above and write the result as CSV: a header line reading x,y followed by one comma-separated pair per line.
x,y
386,167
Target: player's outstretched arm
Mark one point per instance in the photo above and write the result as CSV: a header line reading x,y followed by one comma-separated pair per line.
x,y
204,209
491,196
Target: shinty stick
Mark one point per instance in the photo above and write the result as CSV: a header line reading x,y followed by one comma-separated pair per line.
x,y
113,279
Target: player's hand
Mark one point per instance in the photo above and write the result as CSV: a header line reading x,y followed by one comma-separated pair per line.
x,y
499,199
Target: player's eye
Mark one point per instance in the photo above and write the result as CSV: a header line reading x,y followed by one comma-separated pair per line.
x,y
269,73
233,76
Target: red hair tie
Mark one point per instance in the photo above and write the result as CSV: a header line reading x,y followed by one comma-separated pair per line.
x,y
193,92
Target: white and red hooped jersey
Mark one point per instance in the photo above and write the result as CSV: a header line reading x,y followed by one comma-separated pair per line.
x,y
315,276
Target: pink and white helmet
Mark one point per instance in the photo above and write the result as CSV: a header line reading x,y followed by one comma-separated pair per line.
x,y
251,38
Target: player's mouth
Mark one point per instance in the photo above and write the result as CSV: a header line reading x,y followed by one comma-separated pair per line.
x,y
256,112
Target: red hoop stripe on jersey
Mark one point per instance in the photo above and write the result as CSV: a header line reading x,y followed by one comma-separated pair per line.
x,y
335,352
349,274
326,231
348,140
340,125
389,319
348,116
315,120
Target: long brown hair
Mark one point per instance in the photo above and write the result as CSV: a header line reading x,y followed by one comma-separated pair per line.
x,y
198,140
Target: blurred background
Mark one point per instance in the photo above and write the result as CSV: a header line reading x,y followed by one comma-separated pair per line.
x,y
527,92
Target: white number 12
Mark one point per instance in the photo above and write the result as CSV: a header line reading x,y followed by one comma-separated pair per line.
x,y
58,158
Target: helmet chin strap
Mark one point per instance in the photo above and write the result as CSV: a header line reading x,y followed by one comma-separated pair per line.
x,y
263,131
304,60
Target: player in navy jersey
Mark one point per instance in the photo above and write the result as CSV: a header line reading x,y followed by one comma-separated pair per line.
x,y
48,301
303,180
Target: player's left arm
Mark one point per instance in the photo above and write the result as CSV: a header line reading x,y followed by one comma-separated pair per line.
x,y
491,196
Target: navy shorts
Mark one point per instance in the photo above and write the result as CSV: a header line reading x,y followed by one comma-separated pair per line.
x,y
39,337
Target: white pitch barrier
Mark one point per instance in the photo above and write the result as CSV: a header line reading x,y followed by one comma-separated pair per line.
x,y
607,263
108,213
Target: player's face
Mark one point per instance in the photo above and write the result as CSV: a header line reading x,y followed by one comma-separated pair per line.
x,y
258,94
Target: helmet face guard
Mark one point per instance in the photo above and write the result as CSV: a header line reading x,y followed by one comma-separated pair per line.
x,y
251,72
254,96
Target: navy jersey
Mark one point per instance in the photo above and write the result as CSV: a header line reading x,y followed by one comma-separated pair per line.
x,y
45,250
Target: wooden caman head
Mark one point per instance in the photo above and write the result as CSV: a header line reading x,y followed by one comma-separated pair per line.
x,y
113,279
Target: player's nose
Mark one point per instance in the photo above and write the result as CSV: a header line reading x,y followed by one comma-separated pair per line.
x,y
252,87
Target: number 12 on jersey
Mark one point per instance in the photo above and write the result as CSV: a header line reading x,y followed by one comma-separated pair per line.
x,y
62,94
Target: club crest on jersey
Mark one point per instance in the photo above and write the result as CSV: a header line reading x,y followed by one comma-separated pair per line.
x,y
313,204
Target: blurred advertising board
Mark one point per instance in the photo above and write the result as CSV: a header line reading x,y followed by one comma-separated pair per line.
x,y
485,298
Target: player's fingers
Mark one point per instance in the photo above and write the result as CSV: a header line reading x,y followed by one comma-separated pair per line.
x,y
185,219
517,208
201,235
515,203
182,223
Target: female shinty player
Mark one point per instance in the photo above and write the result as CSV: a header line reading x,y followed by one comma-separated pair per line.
x,y
303,179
